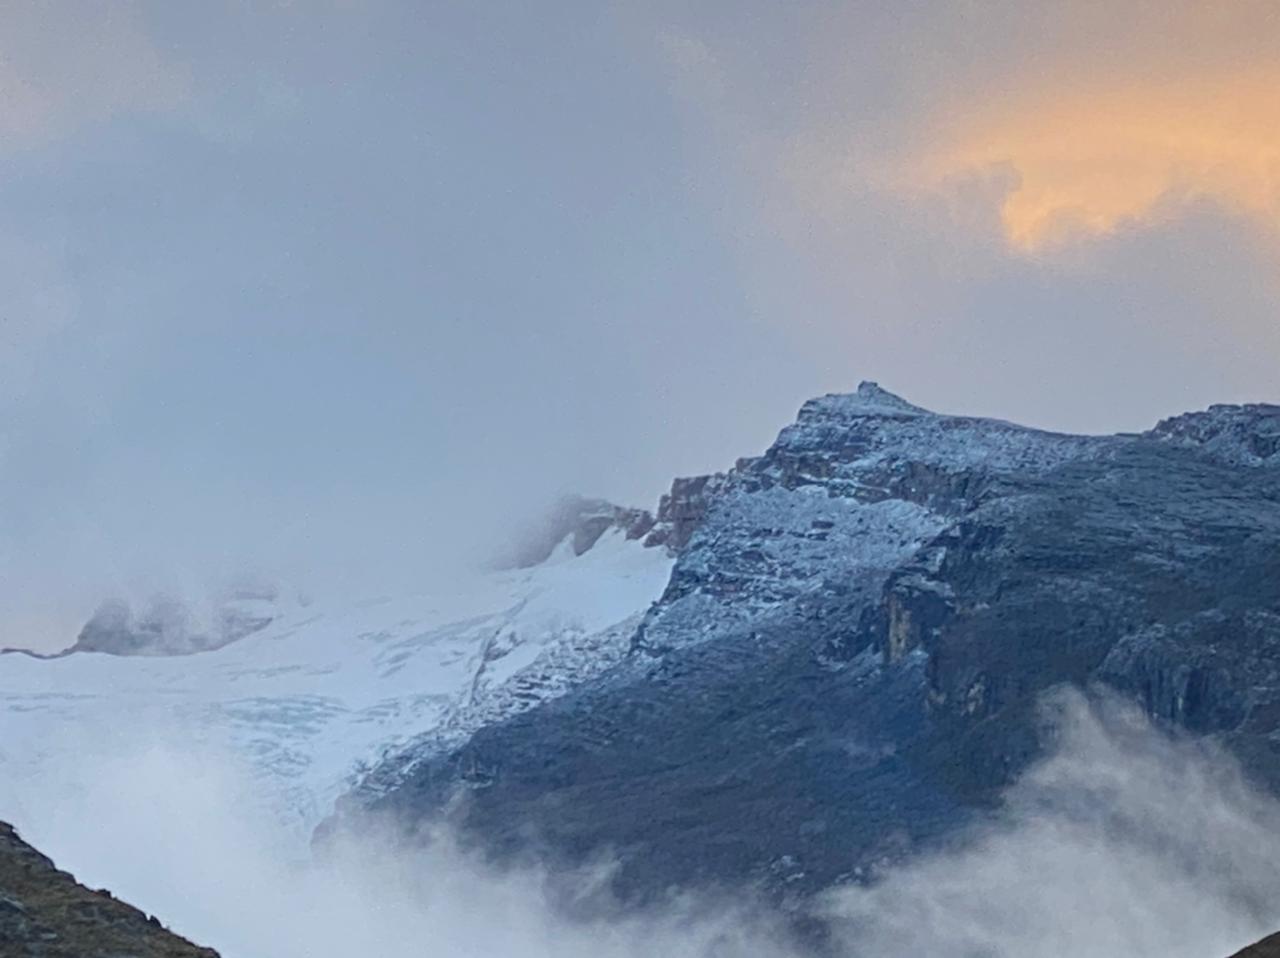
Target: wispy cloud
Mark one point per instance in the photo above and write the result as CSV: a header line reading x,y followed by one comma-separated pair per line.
x,y
1125,841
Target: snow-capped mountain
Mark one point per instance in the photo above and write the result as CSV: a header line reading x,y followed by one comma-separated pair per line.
x,y
826,658
847,662
318,693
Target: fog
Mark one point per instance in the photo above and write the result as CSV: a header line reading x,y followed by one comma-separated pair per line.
x,y
1124,843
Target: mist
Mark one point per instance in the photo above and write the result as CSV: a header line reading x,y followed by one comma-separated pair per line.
x,y
1125,842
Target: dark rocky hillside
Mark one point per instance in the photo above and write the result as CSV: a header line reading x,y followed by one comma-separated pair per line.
x,y
847,659
45,913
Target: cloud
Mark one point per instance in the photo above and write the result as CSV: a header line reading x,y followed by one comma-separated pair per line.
x,y
1061,214
1124,842
63,65
40,302
1080,163
1068,122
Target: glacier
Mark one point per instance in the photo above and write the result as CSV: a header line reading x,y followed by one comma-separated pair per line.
x,y
329,690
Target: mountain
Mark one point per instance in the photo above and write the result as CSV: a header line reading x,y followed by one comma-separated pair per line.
x,y
795,672
45,913
845,664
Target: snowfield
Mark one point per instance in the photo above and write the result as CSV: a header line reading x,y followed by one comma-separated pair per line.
x,y
323,693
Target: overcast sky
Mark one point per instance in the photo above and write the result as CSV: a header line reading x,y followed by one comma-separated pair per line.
x,y
328,291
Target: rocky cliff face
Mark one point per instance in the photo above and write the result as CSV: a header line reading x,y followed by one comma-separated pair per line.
x,y
168,626
845,662
45,913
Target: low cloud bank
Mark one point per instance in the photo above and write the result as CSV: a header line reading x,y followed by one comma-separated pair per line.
x,y
1125,842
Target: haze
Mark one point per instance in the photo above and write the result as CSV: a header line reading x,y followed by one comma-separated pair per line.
x,y
334,292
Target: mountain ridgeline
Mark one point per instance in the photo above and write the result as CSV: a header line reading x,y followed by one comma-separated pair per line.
x,y
846,661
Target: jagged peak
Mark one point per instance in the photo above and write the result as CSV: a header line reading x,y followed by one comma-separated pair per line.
x,y
870,399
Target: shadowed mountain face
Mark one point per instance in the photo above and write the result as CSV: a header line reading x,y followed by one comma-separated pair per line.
x,y
45,913
845,663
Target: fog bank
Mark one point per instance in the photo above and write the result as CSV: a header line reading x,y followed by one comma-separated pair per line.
x,y
1124,842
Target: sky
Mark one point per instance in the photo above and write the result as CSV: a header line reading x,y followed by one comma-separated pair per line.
x,y
335,292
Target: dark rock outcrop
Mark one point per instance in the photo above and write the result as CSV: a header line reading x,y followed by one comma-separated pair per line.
x,y
846,661
1246,435
167,626
45,913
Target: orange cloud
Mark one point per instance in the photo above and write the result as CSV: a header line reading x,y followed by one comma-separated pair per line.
x,y
1088,162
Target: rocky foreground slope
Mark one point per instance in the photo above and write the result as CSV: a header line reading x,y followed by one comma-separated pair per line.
x,y
846,661
45,913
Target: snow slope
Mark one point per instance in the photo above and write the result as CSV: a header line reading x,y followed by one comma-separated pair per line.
x,y
324,692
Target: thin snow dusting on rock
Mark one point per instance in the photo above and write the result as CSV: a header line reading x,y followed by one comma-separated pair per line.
x,y
859,484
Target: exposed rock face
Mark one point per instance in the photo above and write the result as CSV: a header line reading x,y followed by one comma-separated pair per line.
x,y
45,913
167,626
845,662
1245,435
682,510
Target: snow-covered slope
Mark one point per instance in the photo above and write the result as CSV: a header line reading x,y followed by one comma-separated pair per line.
x,y
324,692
